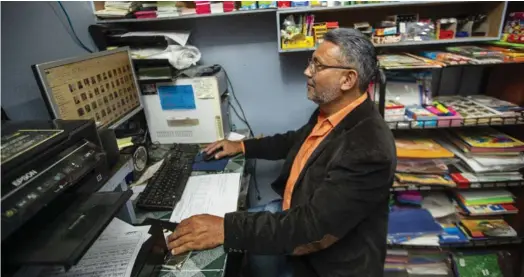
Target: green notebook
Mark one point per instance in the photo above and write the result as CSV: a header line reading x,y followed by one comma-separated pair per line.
x,y
477,265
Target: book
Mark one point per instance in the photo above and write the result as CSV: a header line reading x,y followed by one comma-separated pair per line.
x,y
476,265
452,234
425,179
486,228
420,148
491,209
488,138
485,197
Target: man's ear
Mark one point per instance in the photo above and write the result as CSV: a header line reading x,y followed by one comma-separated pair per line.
x,y
349,80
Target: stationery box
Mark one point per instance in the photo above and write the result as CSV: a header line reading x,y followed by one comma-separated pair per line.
x,y
394,111
202,7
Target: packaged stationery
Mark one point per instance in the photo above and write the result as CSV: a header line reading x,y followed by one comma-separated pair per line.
x,y
485,228
420,148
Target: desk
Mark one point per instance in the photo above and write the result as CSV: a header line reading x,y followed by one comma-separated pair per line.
x,y
117,182
209,263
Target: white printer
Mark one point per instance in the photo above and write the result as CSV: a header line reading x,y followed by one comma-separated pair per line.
x,y
189,110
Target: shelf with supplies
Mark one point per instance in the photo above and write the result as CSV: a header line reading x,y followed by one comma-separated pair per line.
x,y
375,4
470,186
456,123
183,16
502,241
393,24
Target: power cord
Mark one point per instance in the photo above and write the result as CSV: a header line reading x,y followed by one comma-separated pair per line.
x,y
75,36
245,121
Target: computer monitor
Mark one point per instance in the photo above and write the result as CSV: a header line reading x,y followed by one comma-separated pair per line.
x,y
100,86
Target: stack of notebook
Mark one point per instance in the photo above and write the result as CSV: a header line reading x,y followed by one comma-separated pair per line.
x,y
486,202
422,162
428,263
487,155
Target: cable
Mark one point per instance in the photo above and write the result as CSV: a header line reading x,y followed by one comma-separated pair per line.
x,y
76,38
244,120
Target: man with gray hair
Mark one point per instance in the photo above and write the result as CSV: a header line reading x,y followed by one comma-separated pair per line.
x,y
339,167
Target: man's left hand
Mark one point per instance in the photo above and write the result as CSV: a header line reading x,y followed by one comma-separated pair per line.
x,y
198,232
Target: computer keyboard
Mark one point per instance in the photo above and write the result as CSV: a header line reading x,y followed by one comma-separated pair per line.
x,y
166,186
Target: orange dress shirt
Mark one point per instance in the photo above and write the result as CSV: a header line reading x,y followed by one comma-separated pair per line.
x,y
323,127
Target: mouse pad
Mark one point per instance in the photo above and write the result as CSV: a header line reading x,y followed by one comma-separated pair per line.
x,y
212,165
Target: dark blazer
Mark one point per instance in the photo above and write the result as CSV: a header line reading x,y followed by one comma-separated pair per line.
x,y
337,223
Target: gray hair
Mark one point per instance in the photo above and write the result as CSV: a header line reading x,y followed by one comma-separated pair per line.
x,y
357,52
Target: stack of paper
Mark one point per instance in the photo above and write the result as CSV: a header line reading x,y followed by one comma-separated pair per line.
x,y
484,150
422,161
167,9
396,260
113,253
215,194
428,263
117,9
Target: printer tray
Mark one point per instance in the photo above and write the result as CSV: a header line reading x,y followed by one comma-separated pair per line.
x,y
66,239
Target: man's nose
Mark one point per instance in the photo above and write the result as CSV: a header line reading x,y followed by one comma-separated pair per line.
x,y
307,72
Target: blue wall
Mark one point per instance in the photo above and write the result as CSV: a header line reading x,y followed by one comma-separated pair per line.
x,y
36,32
270,86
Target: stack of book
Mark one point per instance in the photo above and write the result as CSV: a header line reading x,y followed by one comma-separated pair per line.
x,y
486,202
406,61
477,55
422,162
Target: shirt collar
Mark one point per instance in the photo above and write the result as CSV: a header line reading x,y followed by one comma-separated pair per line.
x,y
337,117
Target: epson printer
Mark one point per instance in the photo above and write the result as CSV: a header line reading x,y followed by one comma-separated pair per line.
x,y
51,210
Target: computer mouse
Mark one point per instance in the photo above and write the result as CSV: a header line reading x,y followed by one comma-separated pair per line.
x,y
208,157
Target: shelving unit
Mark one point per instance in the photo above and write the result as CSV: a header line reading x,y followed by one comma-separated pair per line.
x,y
460,246
182,17
375,12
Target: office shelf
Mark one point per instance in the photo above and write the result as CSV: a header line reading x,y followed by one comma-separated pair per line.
x,y
357,6
456,123
412,43
502,241
186,16
472,186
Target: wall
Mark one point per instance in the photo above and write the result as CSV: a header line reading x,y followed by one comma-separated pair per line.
x,y
36,32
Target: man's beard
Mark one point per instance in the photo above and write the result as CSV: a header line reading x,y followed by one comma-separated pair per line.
x,y
322,98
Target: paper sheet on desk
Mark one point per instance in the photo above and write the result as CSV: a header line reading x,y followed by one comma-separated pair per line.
x,y
113,253
215,194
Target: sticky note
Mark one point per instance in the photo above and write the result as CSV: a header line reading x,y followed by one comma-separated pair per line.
x,y
176,97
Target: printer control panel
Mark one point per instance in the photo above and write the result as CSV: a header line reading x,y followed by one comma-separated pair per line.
x,y
32,191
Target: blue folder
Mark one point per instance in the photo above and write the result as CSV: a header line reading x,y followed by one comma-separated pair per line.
x,y
411,223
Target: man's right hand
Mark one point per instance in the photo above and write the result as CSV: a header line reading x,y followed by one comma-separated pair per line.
x,y
228,148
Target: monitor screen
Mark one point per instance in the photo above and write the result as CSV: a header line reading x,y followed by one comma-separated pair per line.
x,y
100,86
